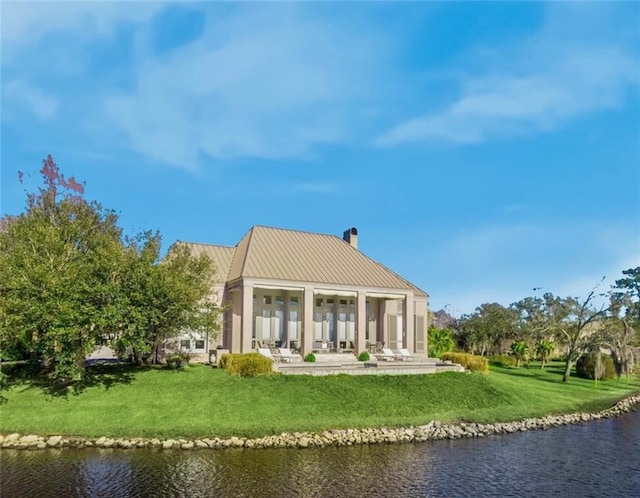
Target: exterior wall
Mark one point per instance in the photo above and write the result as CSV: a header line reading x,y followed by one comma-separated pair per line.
x,y
356,312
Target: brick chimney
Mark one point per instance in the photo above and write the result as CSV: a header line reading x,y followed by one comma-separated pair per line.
x,y
351,236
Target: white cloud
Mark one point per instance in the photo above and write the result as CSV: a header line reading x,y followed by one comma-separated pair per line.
x,y
260,82
504,263
20,94
553,77
27,23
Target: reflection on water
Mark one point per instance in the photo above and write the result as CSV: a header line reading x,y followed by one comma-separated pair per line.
x,y
597,459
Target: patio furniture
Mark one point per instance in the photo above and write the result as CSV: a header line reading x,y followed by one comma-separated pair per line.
x,y
405,355
386,355
322,347
267,354
288,356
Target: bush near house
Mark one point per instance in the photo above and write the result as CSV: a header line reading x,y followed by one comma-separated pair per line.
x,y
177,360
364,356
246,364
310,358
472,362
587,365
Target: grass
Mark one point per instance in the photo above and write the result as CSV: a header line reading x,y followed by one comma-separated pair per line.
x,y
200,401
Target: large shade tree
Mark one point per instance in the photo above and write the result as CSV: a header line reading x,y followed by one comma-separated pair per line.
x,y
68,280
487,329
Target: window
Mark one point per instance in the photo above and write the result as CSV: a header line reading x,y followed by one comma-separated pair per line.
x,y
199,343
330,301
185,344
343,301
293,301
279,300
266,300
293,325
318,301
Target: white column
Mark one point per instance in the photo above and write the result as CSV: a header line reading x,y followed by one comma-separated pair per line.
x,y
307,321
247,318
361,322
408,322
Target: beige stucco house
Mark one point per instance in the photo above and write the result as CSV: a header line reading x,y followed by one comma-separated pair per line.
x,y
310,291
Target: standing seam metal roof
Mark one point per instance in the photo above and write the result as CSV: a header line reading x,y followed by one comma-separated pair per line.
x,y
282,254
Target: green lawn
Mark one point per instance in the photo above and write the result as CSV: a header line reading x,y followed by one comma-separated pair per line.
x,y
201,401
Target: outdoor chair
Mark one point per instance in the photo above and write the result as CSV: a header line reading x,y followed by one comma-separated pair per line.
x,y
287,355
267,353
405,355
386,355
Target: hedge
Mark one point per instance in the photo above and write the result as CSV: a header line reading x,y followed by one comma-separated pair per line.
x,y
470,361
246,364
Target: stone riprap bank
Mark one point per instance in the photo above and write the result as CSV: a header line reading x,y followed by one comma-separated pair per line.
x,y
342,437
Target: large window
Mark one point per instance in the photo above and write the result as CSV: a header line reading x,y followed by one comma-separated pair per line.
x,y
334,322
276,320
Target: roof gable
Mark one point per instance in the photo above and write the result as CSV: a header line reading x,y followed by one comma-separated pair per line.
x,y
281,254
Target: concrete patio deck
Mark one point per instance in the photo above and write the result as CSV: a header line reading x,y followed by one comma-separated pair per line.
x,y
350,366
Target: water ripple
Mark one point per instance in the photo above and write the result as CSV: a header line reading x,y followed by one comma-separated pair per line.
x,y
596,459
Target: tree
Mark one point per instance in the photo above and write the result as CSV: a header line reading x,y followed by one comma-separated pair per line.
x,y
163,298
544,350
484,331
520,350
56,274
440,341
580,328
623,323
69,280
539,317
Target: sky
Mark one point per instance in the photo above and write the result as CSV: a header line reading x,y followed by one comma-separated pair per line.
x,y
482,149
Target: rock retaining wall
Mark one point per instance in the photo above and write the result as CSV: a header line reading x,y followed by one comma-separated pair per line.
x,y
343,437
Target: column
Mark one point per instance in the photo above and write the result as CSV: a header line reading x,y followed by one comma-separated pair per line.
x,y
408,321
361,322
247,318
307,321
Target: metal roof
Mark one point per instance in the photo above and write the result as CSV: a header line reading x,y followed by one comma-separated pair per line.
x,y
220,255
282,254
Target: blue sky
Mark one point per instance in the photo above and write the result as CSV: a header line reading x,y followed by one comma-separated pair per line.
x,y
481,149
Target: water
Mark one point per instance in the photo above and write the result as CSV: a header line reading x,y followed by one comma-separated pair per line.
x,y
597,459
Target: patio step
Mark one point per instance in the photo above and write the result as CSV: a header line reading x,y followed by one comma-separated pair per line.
x,y
335,357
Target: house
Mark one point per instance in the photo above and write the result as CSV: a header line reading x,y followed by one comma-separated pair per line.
x,y
310,291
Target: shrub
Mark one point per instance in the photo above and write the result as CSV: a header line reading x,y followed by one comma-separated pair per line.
x,y
470,361
439,341
246,364
502,360
587,364
177,360
310,358
364,356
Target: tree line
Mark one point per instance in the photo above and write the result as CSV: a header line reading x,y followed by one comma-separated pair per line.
x,y
548,324
70,280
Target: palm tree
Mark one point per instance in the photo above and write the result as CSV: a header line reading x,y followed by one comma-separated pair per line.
x,y
544,349
439,341
520,350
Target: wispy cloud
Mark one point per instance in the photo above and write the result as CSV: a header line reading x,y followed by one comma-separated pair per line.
x,y
267,83
553,77
504,263
18,93
26,24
